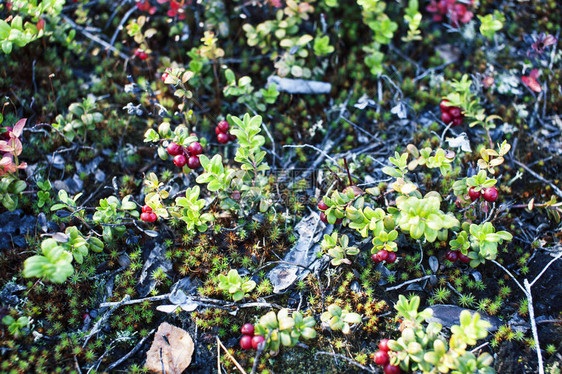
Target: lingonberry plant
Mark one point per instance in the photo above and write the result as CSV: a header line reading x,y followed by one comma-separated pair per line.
x,y
340,319
284,329
54,263
423,348
234,285
10,184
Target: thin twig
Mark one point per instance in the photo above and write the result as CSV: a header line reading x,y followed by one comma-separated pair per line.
x,y
351,361
534,325
408,282
94,38
230,356
131,352
557,190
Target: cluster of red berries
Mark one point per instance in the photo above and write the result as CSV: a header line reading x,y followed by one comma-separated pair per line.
x,y
323,207
141,54
183,156
384,255
453,256
148,215
323,217
450,113
249,340
382,358
489,194
223,136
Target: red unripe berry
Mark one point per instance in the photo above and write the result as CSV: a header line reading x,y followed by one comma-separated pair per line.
x,y
443,105
256,340
223,126
247,329
473,194
322,205
446,117
174,149
382,255
381,358
452,256
383,345
145,217
193,162
391,258
455,112
246,342
375,258
490,194
323,218
146,209
41,24
222,138
457,121
152,217
463,258
195,148
391,369
180,161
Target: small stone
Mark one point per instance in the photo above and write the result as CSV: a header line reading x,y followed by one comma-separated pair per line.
x,y
449,315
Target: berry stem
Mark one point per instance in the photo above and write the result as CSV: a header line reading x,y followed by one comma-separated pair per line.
x,y
348,173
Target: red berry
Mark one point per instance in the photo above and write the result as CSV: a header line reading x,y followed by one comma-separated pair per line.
x,y
391,369
381,358
41,24
218,131
195,148
457,121
338,221
231,137
141,54
180,161
152,217
375,258
444,105
446,117
246,342
463,258
174,149
145,217
323,218
452,256
383,345
222,138
223,126
391,258
146,209
247,329
256,340
490,194
382,255
474,195
193,162
322,205
455,112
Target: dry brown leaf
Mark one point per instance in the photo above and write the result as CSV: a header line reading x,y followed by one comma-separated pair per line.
x,y
172,347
